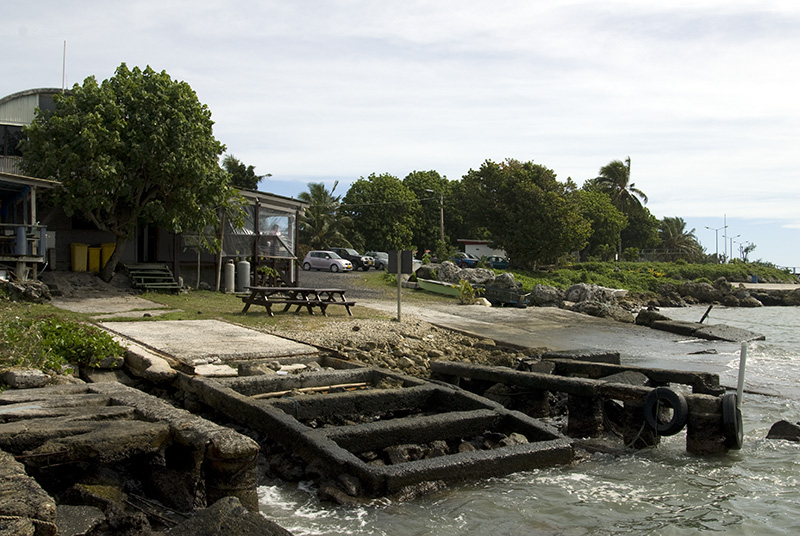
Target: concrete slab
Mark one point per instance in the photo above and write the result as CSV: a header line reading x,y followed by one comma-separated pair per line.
x,y
200,342
111,304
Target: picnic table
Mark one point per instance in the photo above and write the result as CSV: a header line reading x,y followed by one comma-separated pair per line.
x,y
310,298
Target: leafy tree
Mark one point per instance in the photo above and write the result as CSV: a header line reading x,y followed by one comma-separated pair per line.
x,y
527,212
747,250
606,222
384,212
323,225
433,191
677,242
642,230
137,147
242,176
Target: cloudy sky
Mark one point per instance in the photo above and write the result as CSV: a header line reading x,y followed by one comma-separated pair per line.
x,y
702,95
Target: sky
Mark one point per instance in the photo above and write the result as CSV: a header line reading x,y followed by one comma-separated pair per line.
x,y
702,95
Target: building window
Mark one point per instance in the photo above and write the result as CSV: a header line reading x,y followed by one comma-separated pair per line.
x,y
10,136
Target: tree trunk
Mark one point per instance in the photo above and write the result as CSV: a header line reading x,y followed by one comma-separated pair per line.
x,y
107,271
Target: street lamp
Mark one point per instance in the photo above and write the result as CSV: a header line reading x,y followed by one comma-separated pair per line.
x,y
441,214
732,237
716,238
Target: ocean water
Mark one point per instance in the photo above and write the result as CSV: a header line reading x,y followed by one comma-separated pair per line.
x,y
662,491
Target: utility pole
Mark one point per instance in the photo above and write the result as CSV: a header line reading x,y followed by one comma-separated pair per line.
x,y
441,214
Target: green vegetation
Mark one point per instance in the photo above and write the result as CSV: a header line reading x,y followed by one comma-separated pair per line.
x,y
39,336
647,277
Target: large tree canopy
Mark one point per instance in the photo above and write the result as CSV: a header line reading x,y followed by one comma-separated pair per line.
x,y
383,210
528,213
137,147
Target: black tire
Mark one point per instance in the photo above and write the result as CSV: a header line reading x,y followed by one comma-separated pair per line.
x,y
306,266
365,268
663,397
732,421
334,268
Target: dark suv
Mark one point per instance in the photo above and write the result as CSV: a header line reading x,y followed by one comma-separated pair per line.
x,y
358,260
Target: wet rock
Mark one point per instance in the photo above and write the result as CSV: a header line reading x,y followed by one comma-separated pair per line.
x,y
227,517
785,430
646,317
350,484
709,351
750,301
729,300
721,332
604,310
77,520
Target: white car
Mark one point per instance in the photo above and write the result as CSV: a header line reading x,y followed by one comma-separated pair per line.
x,y
326,260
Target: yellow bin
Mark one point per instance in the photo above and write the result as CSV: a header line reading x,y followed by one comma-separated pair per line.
x,y
105,252
78,256
94,259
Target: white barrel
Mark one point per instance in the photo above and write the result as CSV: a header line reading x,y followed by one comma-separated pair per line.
x,y
229,276
242,276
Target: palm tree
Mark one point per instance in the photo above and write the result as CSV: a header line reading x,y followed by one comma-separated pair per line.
x,y
322,226
677,242
614,180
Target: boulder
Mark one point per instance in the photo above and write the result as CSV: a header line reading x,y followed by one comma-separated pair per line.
x,y
227,517
546,296
722,285
506,280
583,292
785,430
646,317
604,310
701,291
750,301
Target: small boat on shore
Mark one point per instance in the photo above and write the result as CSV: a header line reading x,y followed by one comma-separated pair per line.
x,y
439,287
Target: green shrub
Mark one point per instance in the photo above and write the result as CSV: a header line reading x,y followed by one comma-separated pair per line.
x,y
468,293
80,344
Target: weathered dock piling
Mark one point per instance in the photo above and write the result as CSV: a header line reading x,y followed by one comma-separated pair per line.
x,y
591,386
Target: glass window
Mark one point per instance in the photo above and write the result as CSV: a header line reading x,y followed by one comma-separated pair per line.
x,y
10,136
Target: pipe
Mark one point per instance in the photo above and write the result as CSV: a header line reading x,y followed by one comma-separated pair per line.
x,y
740,388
